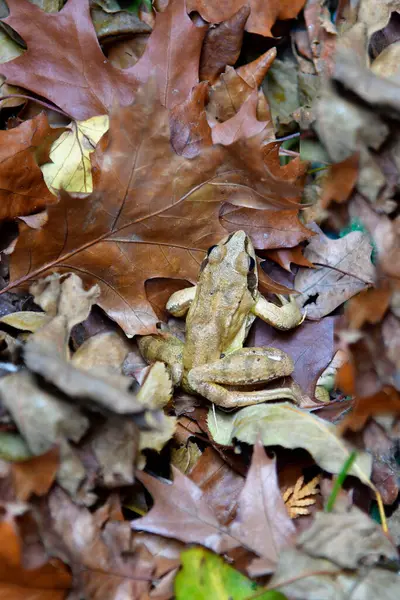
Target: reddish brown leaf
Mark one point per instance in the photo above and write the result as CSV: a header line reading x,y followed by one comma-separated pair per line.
x,y
243,124
233,87
36,475
48,582
155,219
180,511
262,17
220,483
384,402
269,229
22,149
190,131
81,81
222,45
340,181
310,346
369,306
262,521
99,550
175,68
286,256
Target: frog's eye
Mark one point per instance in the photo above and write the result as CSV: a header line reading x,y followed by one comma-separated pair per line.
x,y
252,263
216,254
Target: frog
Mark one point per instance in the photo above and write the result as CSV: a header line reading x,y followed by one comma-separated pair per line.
x,y
219,311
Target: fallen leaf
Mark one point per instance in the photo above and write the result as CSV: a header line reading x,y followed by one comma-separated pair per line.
x,y
286,256
26,320
98,549
64,77
286,425
262,522
51,581
310,346
128,220
299,496
174,79
220,484
377,439
301,576
262,16
111,23
70,167
35,475
340,181
384,402
178,502
268,229
369,306
23,150
186,456
343,267
222,45
202,571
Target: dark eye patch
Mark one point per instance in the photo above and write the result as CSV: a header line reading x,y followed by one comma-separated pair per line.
x,y
211,249
252,263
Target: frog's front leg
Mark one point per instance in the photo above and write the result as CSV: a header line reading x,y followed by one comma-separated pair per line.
x,y
282,317
179,302
165,348
244,367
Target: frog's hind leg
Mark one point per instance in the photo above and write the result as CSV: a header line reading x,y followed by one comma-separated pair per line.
x,y
247,366
165,348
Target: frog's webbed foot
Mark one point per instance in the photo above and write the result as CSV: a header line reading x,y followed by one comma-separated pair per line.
x,y
248,366
165,348
179,302
282,317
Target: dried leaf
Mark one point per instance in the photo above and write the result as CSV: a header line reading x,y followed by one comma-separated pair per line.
x,y
23,150
347,269
286,425
369,306
26,320
262,16
35,475
70,167
128,220
181,502
262,523
82,92
98,549
222,45
285,257
340,181
310,346
50,581
299,496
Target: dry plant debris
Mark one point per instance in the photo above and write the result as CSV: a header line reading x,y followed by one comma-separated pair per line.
x,y
135,136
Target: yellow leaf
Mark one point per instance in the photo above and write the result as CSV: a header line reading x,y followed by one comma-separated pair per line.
x,y
70,168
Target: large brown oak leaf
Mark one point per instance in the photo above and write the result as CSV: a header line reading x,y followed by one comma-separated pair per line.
x,y
152,214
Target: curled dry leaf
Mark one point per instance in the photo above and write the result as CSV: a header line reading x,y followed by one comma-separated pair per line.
x,y
286,425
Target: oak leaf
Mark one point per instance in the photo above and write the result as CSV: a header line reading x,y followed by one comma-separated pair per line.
x,y
153,213
65,79
22,151
262,17
343,268
262,522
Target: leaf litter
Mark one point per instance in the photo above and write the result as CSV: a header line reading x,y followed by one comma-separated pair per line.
x,y
124,159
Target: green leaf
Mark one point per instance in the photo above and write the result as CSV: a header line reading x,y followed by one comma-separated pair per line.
x,y
205,575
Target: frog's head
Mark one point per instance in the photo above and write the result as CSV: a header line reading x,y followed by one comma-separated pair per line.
x,y
234,256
